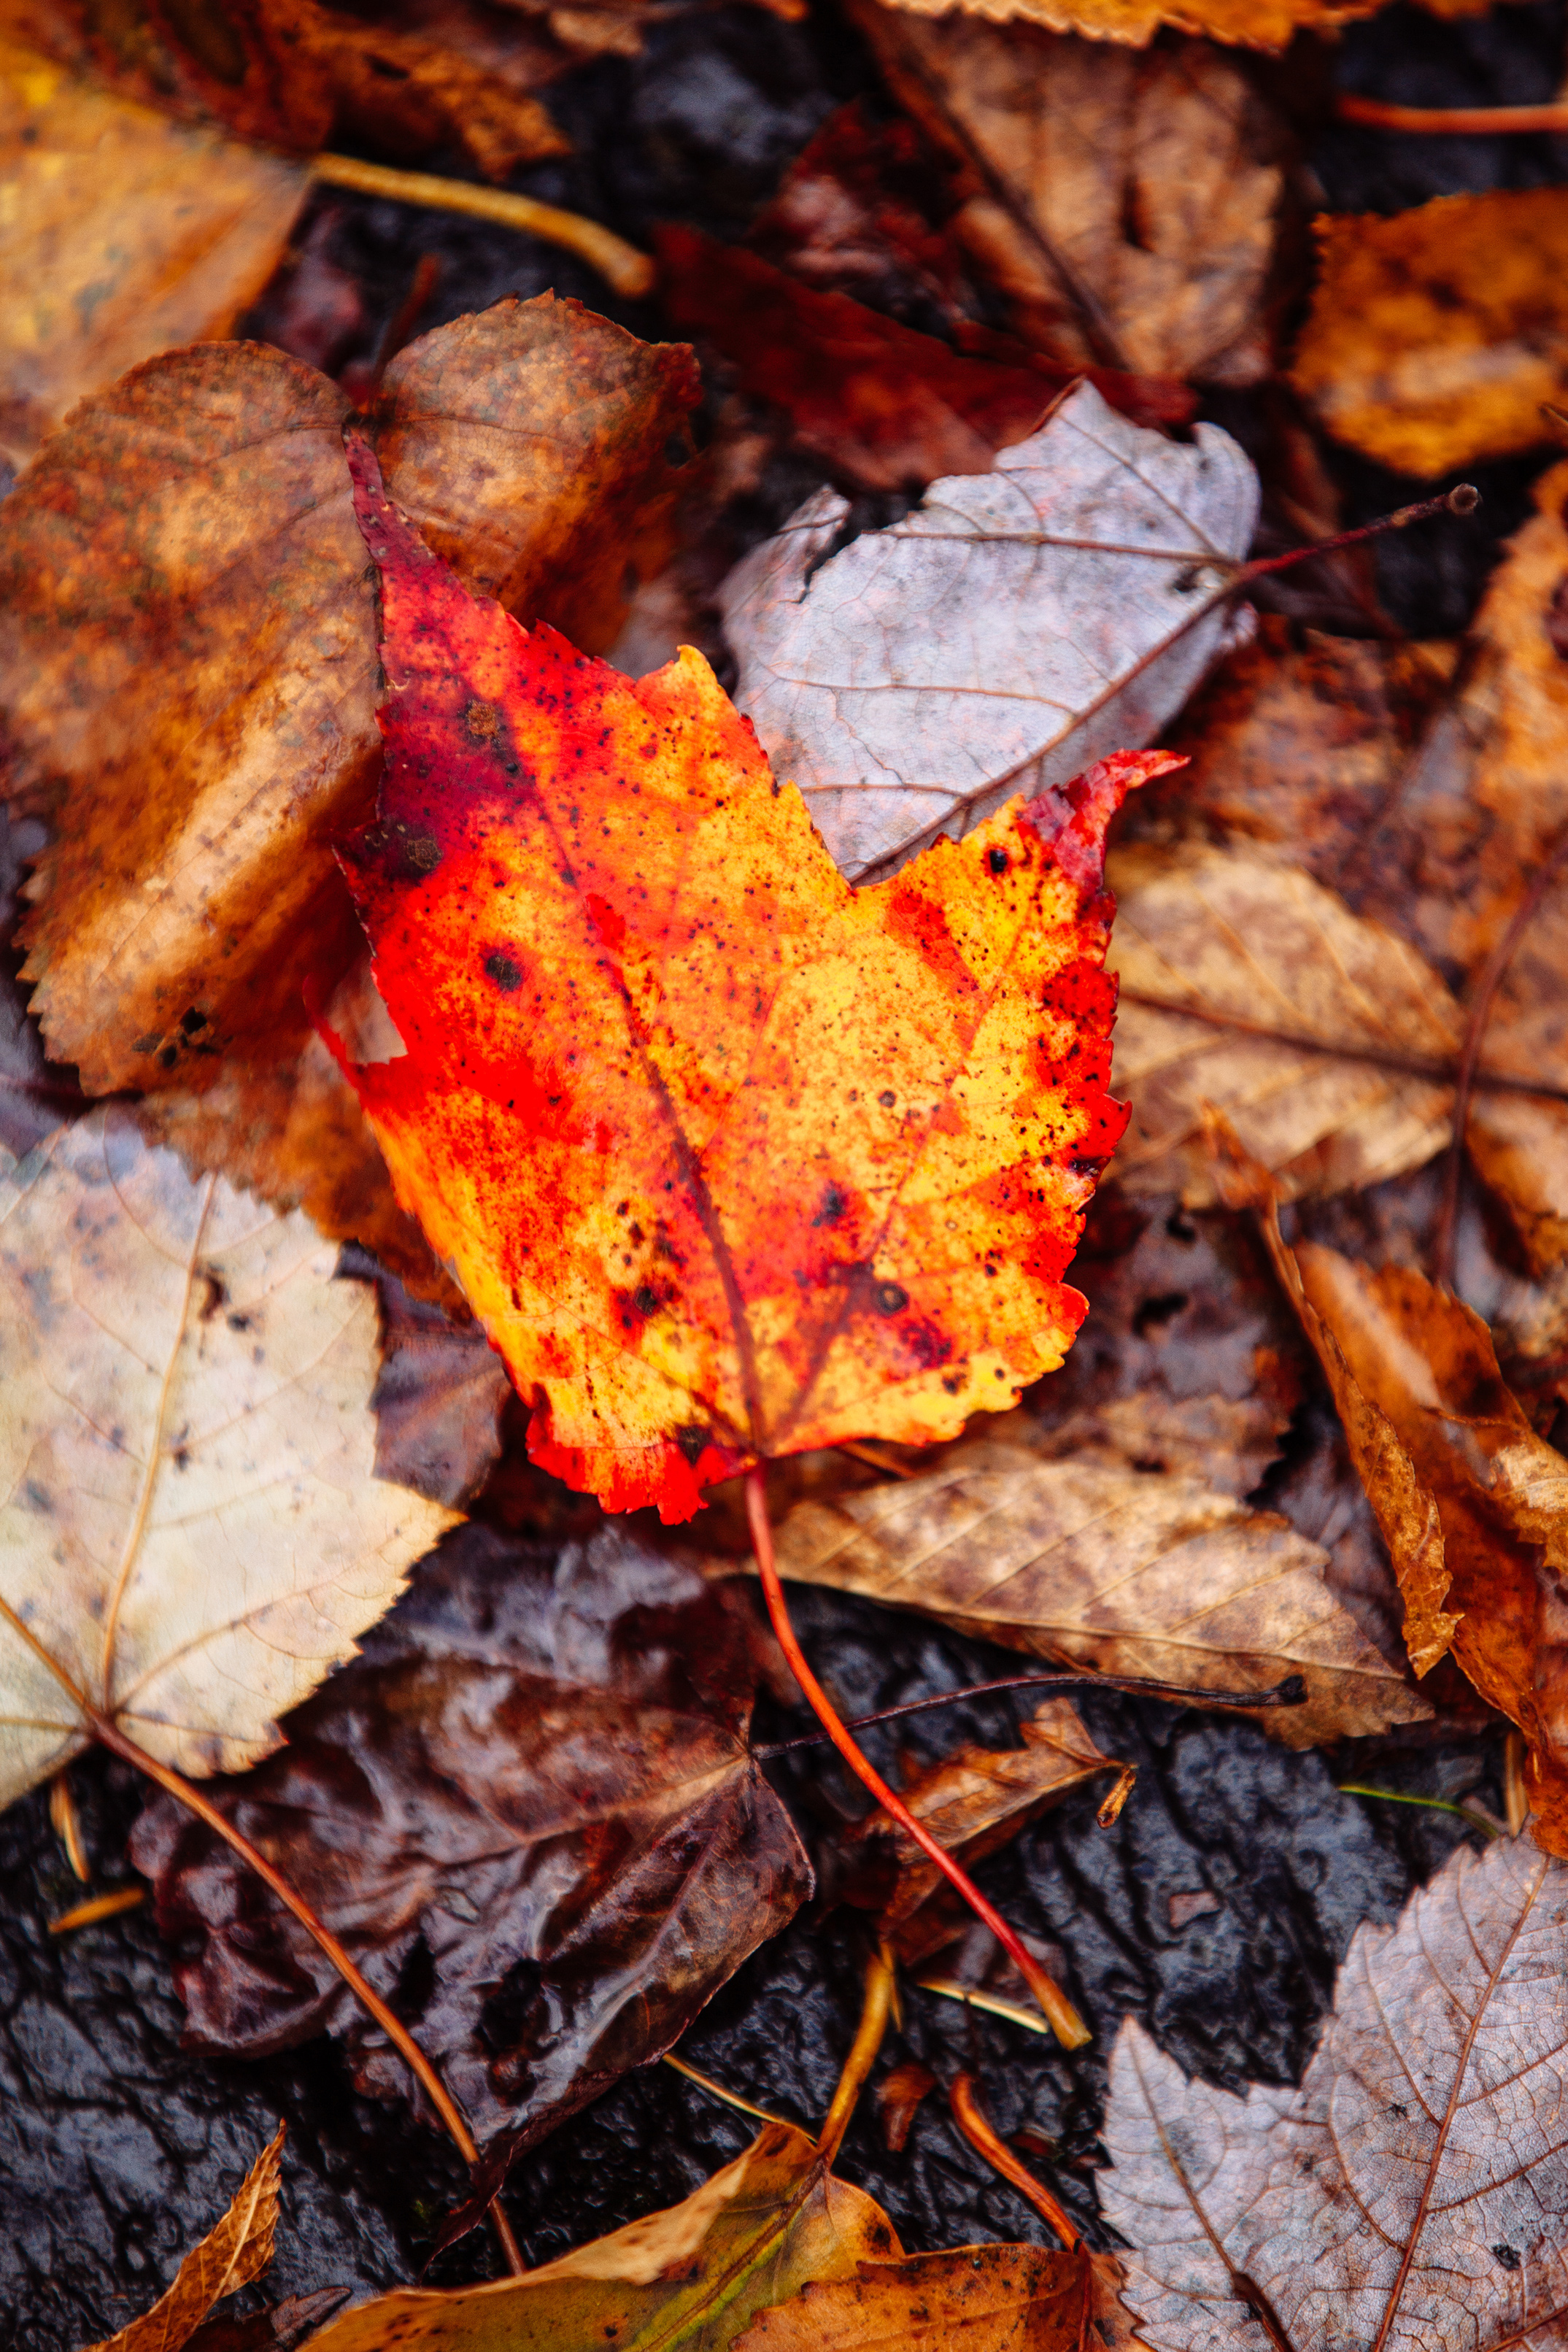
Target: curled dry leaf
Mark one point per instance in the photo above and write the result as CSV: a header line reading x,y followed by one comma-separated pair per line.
x,y
1225,958
898,2097
1436,334
1412,2192
1124,205
233,2253
972,1801
1261,24
536,1777
1500,1492
1092,1563
125,233
685,2280
187,657
193,1535
297,75
732,1161
983,2298
1008,630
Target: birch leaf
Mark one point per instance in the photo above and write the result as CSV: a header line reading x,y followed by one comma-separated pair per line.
x,y
1015,628
191,1535
1412,2192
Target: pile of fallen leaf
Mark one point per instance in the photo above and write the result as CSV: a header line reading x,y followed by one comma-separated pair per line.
x,y
780,870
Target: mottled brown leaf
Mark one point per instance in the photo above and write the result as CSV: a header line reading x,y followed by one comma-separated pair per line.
x,y
1412,2192
966,2299
1092,1563
439,1398
123,234
529,1811
236,2250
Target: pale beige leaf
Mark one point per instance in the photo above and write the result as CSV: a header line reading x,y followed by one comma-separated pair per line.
x,y
121,234
192,1534
233,2253
999,638
1124,204
1414,2191
1243,945
1092,1563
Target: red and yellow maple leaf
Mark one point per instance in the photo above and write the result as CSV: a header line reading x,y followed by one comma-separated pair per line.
x,y
731,1159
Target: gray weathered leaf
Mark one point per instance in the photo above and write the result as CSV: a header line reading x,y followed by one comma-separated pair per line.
x,y
1015,628
1414,2191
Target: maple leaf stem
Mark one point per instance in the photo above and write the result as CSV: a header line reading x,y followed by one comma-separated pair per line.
x,y
1292,1692
109,1735
619,264
1462,499
1482,121
881,1978
982,2135
1065,2023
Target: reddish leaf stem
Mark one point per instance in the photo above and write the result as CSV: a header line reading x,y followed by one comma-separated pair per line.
x,y
1292,1692
109,1735
1479,1013
1481,121
1065,2023
981,2134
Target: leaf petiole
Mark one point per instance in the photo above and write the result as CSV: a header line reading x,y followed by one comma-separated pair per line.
x,y
1476,1819
1065,2023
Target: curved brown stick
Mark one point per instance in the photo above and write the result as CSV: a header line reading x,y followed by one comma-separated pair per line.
x,y
619,264
1480,121
109,1735
981,2135
1479,1013
1065,2023
878,2007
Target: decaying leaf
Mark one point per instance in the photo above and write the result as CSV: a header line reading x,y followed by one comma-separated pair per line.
x,y
236,2250
1500,1492
1261,24
1092,1563
536,1779
1124,204
297,74
978,2298
1226,956
193,1535
686,2280
1436,334
883,406
898,2097
1412,2192
731,1160
439,1398
972,1801
123,234
995,641
187,652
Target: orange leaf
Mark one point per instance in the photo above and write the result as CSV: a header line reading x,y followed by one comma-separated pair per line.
x,y
731,1159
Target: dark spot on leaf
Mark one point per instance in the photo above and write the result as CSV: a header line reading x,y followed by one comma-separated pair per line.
x,y
1507,2256
834,1204
891,1299
191,1021
691,1438
997,859
887,1098
501,969
645,1299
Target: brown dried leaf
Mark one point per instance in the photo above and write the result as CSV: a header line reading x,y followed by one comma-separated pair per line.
x,y
297,75
439,1398
536,1777
192,1533
1124,205
1241,942
187,655
1090,1563
1259,24
898,2097
1436,334
685,2280
1412,2192
1501,1493
124,234
236,2250
967,2299
973,1801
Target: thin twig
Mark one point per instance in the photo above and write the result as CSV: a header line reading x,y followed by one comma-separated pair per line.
x,y
619,264
1471,1813
1066,2024
109,1735
68,1823
1477,121
101,1907
982,2136
716,2091
880,1979
1479,1013
1292,1692
992,2003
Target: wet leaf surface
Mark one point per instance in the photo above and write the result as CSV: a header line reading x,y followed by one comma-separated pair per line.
x,y
529,1812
